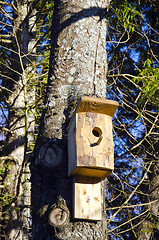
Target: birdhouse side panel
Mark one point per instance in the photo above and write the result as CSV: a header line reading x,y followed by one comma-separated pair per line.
x,y
72,153
85,155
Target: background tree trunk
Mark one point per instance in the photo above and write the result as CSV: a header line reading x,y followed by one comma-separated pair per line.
x,y
21,126
78,67
150,227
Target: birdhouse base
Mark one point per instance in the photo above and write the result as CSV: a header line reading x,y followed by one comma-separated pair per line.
x,y
87,198
99,173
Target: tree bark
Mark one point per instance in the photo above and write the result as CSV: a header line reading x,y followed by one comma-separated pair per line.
x,y
150,227
78,67
17,216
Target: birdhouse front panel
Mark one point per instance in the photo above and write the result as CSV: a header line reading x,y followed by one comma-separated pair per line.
x,y
90,145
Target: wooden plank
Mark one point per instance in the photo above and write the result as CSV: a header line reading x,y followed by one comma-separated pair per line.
x,y
90,153
91,172
86,149
72,148
87,198
97,105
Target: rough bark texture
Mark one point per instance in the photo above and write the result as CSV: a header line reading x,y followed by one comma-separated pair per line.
x,y
77,67
150,227
16,179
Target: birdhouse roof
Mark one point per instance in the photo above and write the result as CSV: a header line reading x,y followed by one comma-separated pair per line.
x,y
97,105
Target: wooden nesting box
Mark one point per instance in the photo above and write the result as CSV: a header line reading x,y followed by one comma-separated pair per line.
x,y
90,138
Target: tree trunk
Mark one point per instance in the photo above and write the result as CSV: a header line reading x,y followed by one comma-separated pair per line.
x,y
150,227
16,183
78,67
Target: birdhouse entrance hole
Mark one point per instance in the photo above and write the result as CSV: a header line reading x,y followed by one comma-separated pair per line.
x,y
97,132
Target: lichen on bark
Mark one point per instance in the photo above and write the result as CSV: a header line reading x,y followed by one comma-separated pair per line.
x,y
78,59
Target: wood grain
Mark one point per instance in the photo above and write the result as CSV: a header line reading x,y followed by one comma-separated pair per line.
x,y
87,200
90,154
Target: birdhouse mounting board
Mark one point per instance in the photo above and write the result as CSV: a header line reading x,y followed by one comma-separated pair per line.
x,y
87,198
